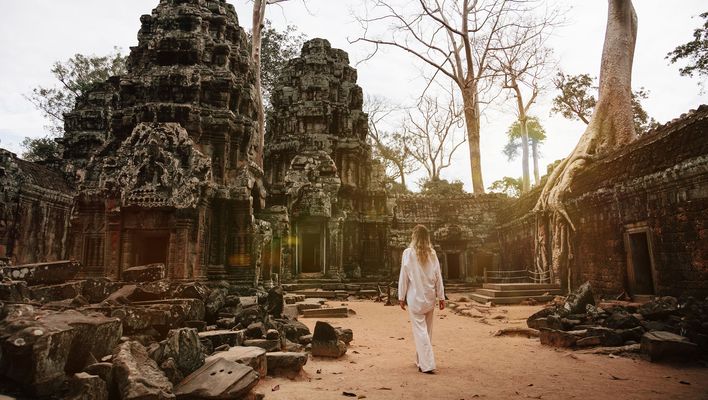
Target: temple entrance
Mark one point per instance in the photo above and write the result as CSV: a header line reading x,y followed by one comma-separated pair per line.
x,y
310,251
453,265
151,248
310,247
639,263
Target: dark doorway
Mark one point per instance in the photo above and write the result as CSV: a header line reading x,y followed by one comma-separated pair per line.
x,y
151,249
640,273
453,265
310,251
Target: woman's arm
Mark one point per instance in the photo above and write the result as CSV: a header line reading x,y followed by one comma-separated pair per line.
x,y
403,281
439,289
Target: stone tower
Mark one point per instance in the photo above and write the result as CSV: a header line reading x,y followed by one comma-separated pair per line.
x,y
165,158
318,168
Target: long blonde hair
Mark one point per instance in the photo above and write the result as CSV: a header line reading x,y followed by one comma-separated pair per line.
x,y
420,242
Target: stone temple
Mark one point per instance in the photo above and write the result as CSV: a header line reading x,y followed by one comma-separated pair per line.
x,y
163,165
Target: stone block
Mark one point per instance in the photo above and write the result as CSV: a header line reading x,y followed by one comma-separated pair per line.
x,y
335,312
144,273
218,379
267,345
325,341
254,357
556,338
137,375
223,336
661,345
285,363
42,273
84,386
61,291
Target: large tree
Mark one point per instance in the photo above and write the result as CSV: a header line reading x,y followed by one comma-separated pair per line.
x,y
536,136
277,48
389,145
694,53
75,77
610,127
576,100
522,68
457,39
430,133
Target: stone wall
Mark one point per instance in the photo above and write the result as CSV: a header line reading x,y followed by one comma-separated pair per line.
x,y
35,207
463,228
652,193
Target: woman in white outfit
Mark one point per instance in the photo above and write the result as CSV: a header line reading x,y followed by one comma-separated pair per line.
x,y
419,284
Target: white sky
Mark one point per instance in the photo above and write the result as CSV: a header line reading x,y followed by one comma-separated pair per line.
x,y
35,33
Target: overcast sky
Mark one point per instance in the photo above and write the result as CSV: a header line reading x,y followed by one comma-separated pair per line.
x,y
35,33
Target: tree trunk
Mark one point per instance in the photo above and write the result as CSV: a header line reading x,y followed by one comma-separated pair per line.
x,y
259,7
472,115
611,127
526,179
402,173
534,156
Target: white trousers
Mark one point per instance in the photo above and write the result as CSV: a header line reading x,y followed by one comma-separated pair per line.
x,y
422,336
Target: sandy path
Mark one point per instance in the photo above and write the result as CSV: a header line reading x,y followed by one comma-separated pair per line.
x,y
473,364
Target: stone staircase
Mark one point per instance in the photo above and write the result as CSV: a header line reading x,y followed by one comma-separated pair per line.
x,y
515,293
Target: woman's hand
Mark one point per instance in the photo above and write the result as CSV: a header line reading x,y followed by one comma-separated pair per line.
x,y
442,305
402,303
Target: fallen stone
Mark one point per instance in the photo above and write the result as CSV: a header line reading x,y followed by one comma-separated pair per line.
x,y
215,301
137,375
326,343
218,379
192,290
345,335
659,308
305,339
290,311
589,341
608,337
254,357
255,330
144,273
272,334
517,331
285,363
302,306
40,346
84,386
293,330
14,291
292,346
293,298
660,345
621,320
221,337
275,302
556,338
182,345
42,273
538,319
336,312
103,370
151,291
98,290
200,326
61,291
576,303
267,345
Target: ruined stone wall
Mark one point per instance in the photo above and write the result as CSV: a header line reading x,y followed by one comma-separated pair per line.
x,y
464,225
658,186
318,167
35,207
168,153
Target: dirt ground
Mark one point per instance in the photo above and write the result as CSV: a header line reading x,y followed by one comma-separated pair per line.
x,y
474,364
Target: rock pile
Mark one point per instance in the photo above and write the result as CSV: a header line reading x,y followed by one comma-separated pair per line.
x,y
149,338
660,329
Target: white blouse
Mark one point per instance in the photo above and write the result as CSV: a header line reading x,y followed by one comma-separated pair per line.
x,y
420,284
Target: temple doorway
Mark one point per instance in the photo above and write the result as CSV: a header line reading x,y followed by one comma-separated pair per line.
x,y
453,265
639,263
310,248
151,248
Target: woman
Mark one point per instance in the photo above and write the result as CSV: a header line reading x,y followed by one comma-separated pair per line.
x,y
419,284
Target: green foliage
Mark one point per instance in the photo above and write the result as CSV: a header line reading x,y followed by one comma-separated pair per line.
x,y
76,76
507,185
695,52
277,48
537,134
577,101
44,149
441,187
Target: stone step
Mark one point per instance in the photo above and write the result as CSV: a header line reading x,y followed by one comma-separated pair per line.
x,y
517,293
338,312
520,286
480,298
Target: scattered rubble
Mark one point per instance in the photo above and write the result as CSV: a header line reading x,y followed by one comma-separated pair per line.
x,y
665,327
